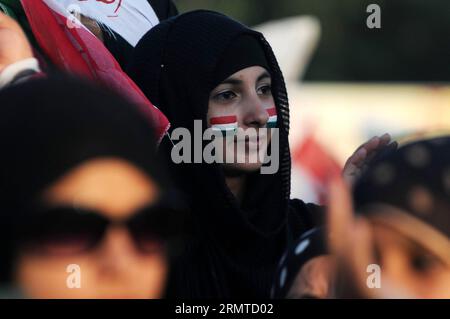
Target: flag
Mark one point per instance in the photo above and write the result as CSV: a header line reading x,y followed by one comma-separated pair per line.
x,y
131,19
73,48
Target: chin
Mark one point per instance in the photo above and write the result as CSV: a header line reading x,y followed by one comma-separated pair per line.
x,y
243,167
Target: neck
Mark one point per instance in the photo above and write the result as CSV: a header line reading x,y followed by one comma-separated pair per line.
x,y
236,186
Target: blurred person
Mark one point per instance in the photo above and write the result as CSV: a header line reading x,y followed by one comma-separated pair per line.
x,y
306,270
121,24
17,61
401,227
205,66
118,24
58,43
80,185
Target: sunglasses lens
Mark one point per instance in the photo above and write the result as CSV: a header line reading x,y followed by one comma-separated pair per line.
x,y
150,230
63,232
149,244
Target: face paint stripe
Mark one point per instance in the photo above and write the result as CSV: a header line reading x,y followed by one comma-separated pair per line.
x,y
273,118
223,120
226,129
272,112
224,124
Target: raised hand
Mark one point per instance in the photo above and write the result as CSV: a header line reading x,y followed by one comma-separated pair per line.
x,y
356,164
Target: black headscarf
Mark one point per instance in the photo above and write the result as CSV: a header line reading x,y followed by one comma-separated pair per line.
x,y
51,125
235,248
414,179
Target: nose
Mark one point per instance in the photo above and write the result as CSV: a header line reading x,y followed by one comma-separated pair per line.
x,y
255,114
115,254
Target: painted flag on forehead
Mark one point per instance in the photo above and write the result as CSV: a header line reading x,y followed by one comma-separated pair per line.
x,y
272,122
73,48
224,124
129,18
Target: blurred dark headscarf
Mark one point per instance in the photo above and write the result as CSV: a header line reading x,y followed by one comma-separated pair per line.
x,y
412,185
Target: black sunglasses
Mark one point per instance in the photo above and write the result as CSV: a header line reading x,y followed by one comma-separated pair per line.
x,y
70,230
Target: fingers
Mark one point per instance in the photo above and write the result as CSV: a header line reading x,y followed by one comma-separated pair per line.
x,y
352,168
363,151
340,214
361,254
351,241
385,139
375,143
364,154
358,157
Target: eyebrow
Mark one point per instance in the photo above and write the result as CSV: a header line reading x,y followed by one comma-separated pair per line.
x,y
263,76
235,81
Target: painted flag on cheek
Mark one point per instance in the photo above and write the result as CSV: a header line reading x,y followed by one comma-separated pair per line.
x,y
224,124
273,118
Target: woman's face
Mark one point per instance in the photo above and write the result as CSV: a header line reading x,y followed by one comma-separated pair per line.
x,y
114,267
409,267
247,96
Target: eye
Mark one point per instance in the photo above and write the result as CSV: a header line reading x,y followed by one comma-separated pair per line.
x,y
225,96
424,263
265,90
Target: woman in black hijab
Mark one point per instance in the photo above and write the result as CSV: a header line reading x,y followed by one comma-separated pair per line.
x,y
205,66
84,203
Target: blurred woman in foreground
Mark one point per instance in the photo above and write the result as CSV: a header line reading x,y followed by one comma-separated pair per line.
x,y
398,245
84,204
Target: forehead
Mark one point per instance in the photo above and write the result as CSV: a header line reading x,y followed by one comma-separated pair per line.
x,y
112,186
252,73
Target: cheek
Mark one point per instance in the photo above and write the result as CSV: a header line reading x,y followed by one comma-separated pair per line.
x,y
47,277
150,275
436,286
269,102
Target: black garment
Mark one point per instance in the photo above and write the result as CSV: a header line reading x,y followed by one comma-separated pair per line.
x,y
245,51
50,126
119,47
164,9
398,177
234,249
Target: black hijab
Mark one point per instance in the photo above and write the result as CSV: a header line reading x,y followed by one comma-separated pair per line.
x,y
49,126
235,248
